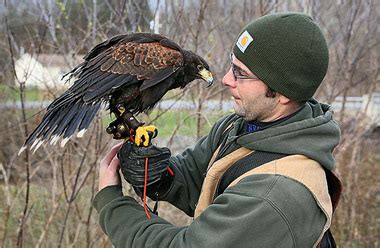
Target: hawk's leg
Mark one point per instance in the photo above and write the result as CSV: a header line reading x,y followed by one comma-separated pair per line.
x,y
144,135
127,126
118,128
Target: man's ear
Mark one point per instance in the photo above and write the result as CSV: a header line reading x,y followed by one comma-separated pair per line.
x,y
283,99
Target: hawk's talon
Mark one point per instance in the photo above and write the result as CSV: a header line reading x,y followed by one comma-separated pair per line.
x,y
144,134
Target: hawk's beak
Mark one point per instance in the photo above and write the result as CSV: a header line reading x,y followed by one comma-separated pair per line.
x,y
207,76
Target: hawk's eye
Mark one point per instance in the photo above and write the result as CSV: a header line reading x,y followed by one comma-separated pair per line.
x,y
199,67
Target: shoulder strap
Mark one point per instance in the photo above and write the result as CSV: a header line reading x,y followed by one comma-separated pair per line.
x,y
244,165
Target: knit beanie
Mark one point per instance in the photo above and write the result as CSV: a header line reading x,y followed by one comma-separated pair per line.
x,y
287,51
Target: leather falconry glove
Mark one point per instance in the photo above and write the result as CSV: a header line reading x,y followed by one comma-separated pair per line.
x,y
132,163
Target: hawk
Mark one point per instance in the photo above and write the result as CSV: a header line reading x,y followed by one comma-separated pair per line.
x,y
130,73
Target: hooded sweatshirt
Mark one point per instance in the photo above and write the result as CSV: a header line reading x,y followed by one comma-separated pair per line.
x,y
260,211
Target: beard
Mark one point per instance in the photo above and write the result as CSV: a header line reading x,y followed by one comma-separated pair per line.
x,y
255,109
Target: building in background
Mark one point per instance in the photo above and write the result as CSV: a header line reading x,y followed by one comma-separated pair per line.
x,y
44,71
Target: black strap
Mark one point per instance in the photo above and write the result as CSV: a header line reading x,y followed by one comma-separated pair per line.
x,y
247,163
327,240
335,191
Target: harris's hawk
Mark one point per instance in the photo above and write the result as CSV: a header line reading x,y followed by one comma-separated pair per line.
x,y
130,73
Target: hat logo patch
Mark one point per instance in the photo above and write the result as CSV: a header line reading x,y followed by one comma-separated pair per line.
x,y
244,40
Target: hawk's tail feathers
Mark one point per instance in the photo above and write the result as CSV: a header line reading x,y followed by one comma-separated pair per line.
x,y
62,123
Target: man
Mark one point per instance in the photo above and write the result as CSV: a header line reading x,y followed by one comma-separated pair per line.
x,y
258,179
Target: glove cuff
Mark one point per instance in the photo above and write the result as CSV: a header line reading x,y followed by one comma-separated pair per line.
x,y
158,189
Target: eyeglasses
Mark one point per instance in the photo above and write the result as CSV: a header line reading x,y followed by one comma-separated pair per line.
x,y
237,73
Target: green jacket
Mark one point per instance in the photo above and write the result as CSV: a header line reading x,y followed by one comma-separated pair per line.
x,y
259,211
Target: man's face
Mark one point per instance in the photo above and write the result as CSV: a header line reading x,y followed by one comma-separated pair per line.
x,y
249,95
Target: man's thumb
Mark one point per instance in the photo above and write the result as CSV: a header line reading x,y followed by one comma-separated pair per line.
x,y
114,165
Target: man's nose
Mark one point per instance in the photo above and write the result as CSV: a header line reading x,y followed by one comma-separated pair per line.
x,y
229,80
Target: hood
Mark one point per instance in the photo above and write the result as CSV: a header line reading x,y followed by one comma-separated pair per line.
x,y
311,132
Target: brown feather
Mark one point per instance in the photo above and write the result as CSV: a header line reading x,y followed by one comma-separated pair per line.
x,y
108,64
141,59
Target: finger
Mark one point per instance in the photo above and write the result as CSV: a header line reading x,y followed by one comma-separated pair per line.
x,y
111,154
118,145
115,164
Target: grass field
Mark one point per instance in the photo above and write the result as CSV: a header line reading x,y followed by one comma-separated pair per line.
x,y
31,94
182,122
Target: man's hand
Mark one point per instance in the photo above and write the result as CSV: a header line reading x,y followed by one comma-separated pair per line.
x,y
109,167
